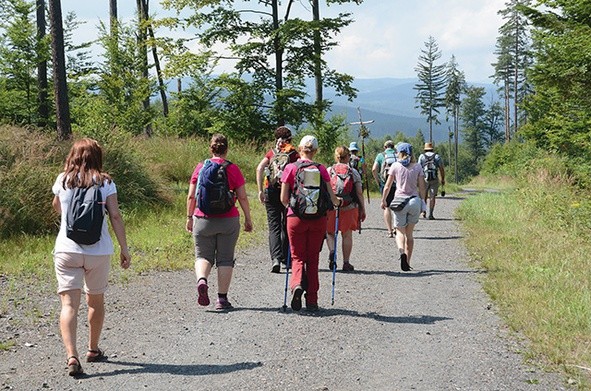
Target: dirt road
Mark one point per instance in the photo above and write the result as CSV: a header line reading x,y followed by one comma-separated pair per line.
x,y
429,329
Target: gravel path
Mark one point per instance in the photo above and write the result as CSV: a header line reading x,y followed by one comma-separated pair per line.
x,y
429,329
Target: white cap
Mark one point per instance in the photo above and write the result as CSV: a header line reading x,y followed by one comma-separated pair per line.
x,y
309,142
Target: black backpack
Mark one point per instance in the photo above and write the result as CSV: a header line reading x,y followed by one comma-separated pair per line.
x,y
310,198
85,215
213,192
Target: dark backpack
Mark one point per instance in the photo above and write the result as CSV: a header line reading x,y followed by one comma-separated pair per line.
x,y
389,159
276,166
341,181
355,162
85,215
310,198
213,192
430,167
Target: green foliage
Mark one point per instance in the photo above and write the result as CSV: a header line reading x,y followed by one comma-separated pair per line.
x,y
533,242
20,52
560,110
330,135
277,52
432,80
31,161
120,92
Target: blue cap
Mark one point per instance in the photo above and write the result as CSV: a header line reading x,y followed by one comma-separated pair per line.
x,y
353,146
404,147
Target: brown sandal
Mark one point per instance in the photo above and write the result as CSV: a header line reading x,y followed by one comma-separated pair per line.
x,y
96,356
76,368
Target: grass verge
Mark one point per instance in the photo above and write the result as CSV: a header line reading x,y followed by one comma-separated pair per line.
x,y
538,270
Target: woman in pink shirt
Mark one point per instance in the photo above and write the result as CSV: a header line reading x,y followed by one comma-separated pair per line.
x,y
410,183
305,233
215,235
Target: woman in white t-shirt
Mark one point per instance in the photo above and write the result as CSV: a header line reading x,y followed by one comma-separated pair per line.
x,y
80,266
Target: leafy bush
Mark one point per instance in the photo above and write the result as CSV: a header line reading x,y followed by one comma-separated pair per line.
x,y
29,163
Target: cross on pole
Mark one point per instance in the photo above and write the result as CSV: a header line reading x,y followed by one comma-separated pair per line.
x,y
363,133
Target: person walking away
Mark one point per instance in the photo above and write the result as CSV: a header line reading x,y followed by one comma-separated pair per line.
x,y
85,265
346,184
268,176
409,185
357,162
432,165
379,170
214,220
306,192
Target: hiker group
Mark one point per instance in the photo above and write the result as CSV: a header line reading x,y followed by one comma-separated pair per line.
x,y
306,204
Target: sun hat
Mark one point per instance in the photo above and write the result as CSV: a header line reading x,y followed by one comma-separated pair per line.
x,y
309,142
428,146
353,146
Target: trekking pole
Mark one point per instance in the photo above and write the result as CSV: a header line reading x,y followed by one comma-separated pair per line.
x,y
334,264
287,269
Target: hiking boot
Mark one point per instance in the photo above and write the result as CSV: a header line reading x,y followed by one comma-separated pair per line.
x,y
276,268
223,304
431,217
202,297
296,300
347,267
424,215
331,263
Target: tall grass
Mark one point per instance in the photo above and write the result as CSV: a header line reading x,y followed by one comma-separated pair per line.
x,y
152,178
534,241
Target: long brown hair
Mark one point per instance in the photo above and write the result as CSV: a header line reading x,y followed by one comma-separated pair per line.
x,y
84,165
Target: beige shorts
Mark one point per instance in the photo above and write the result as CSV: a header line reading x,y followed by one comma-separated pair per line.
x,y
78,271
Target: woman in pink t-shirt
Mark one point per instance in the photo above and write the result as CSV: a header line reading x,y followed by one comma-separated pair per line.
x,y
305,235
410,183
216,235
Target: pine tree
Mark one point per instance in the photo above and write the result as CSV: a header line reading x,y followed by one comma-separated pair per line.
x,y
456,84
513,59
431,85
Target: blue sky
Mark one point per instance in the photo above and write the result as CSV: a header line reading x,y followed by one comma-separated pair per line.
x,y
384,41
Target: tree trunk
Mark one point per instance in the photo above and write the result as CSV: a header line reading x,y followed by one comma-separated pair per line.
x,y
142,8
113,17
42,87
280,105
507,112
161,85
456,135
317,60
62,106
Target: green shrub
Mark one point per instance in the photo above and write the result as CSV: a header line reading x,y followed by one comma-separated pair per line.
x,y
29,163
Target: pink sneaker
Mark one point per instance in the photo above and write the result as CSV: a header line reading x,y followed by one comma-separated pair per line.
x,y
202,297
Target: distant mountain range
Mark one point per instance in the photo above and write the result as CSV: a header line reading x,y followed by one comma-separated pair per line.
x,y
391,104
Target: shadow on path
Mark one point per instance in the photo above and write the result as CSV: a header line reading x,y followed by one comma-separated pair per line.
x,y
413,273
174,369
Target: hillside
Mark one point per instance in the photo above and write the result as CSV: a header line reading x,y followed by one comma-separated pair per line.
x,y
391,104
